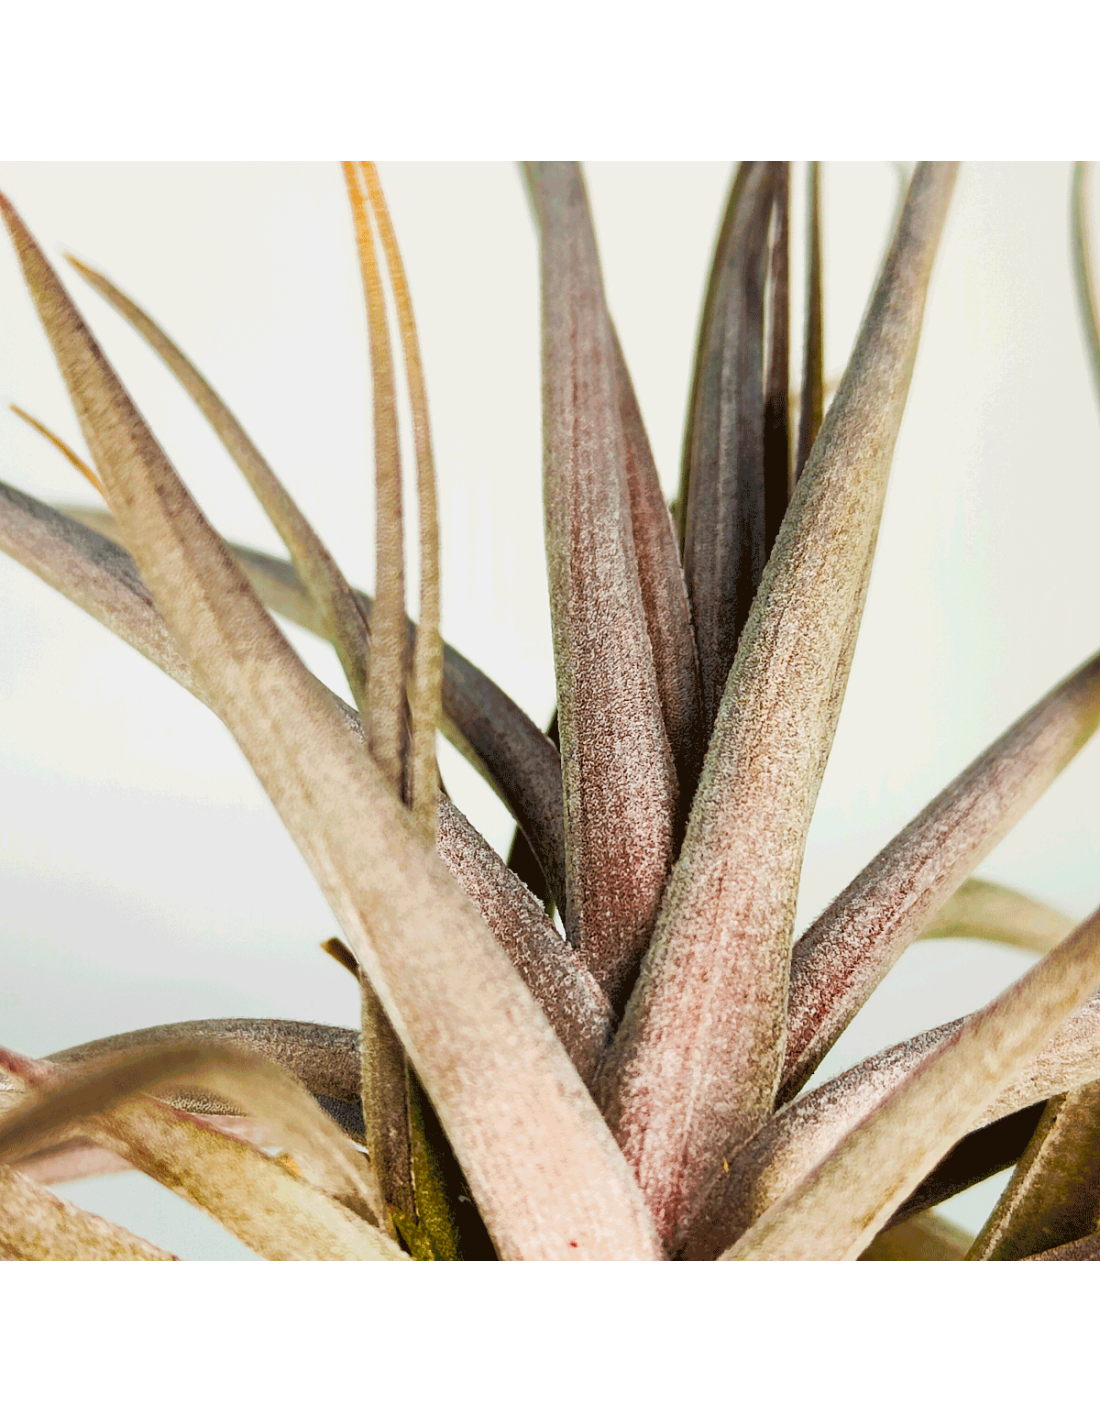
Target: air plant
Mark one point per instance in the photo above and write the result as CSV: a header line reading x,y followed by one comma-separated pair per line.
x,y
635,1084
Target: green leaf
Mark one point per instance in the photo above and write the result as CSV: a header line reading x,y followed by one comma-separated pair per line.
x,y
842,957
35,1224
694,1068
542,1165
617,767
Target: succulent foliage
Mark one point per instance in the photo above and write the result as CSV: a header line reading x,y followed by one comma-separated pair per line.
x,y
635,1085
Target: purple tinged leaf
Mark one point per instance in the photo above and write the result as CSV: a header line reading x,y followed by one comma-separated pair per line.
x,y
725,537
694,1068
812,404
800,1136
35,1224
842,957
480,720
542,1165
617,767
836,1210
99,576
1053,1197
664,591
778,484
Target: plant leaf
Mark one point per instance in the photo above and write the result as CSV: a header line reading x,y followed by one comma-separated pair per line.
x,y
427,666
617,768
725,540
693,1070
95,573
778,484
257,1086
269,1208
480,720
664,591
544,1169
836,1210
384,720
927,1237
36,1224
842,957
811,406
1087,301
804,1133
981,909
337,614
1053,1197
980,1154
59,444
1079,1251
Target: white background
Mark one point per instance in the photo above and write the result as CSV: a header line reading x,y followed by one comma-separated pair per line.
x,y
143,876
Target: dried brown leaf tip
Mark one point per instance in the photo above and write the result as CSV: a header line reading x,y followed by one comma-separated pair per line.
x,y
630,1088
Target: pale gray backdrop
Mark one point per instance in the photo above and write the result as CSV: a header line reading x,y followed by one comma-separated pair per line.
x,y
143,876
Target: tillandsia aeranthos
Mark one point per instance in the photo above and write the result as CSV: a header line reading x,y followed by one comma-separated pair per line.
x,y
635,1086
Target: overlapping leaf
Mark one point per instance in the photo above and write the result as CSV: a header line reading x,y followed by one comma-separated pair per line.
x,y
695,1065
838,1207
266,1205
36,1224
842,957
1053,1197
541,1163
617,767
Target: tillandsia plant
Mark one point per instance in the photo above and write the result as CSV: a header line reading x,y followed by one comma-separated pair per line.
x,y
636,1083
